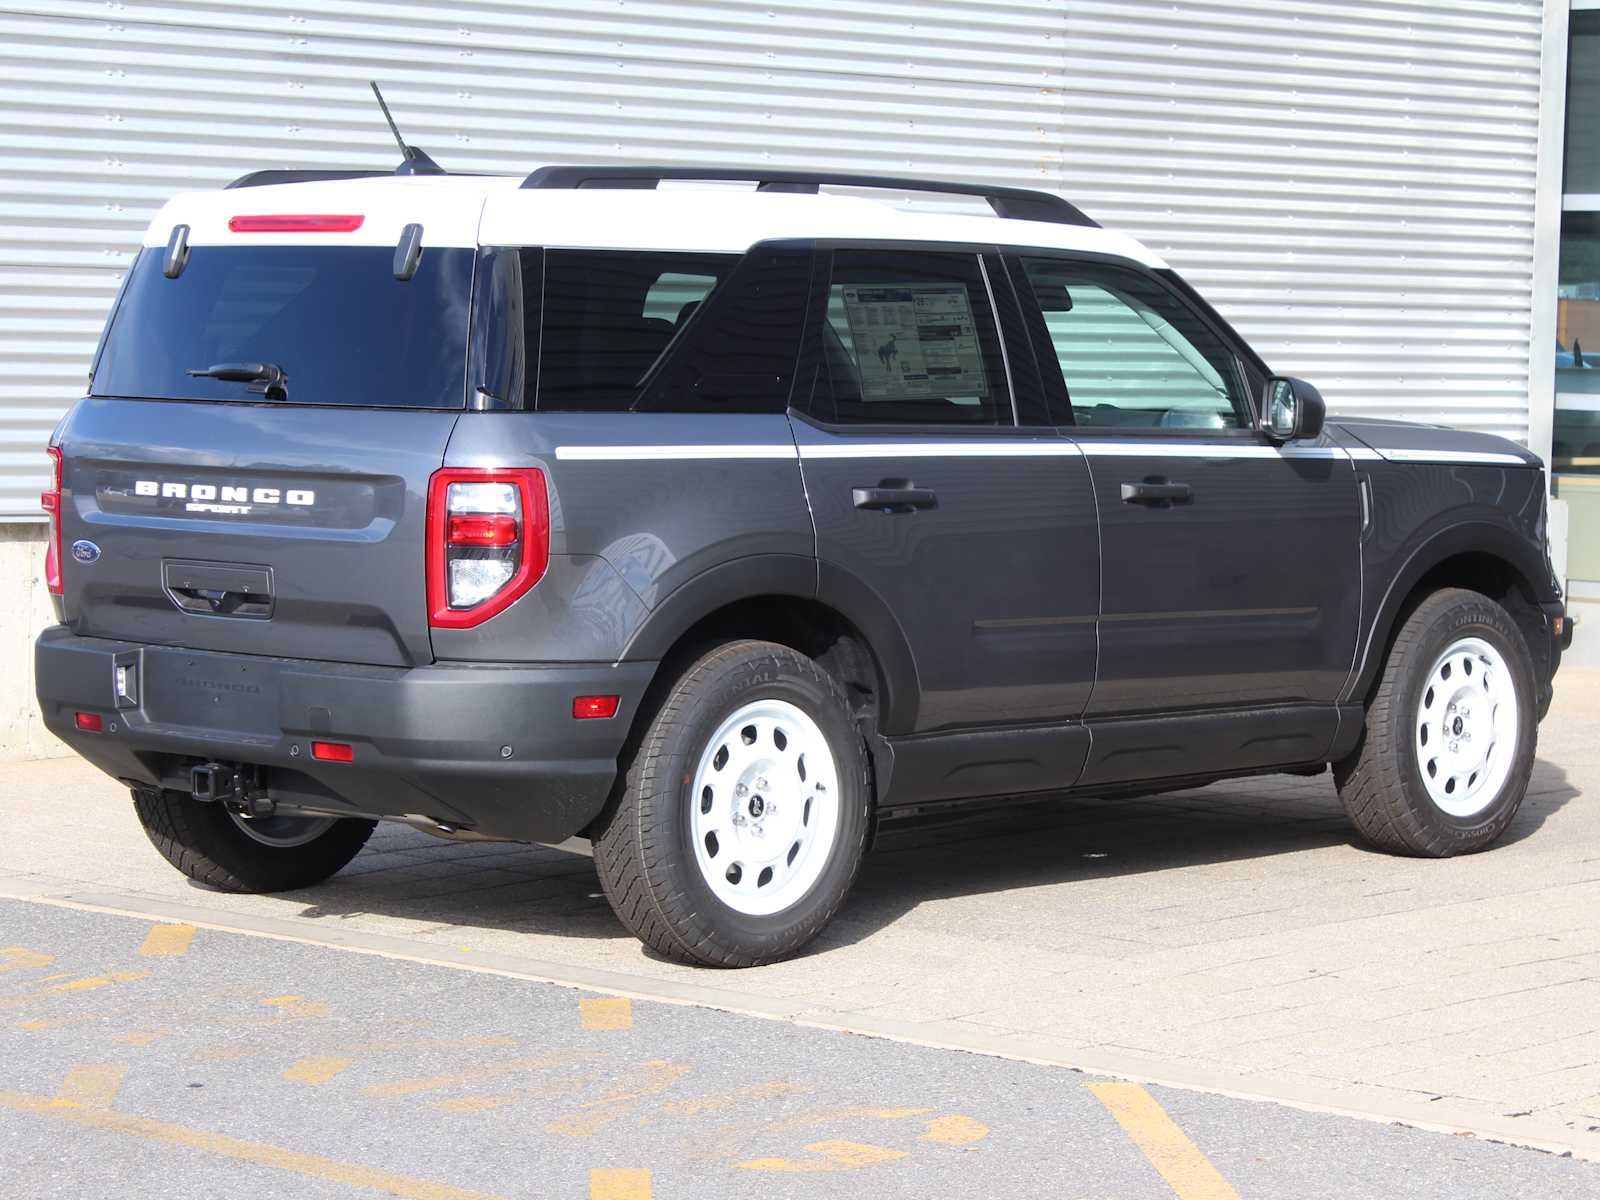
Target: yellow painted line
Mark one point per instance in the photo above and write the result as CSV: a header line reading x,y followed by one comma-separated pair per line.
x,y
87,984
619,1183
695,1105
141,1037
314,1166
298,1006
431,1083
167,941
1188,1172
605,1014
829,1156
20,958
651,1079
91,1086
955,1130
316,1071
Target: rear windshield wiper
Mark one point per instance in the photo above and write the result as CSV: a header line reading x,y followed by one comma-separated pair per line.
x,y
263,378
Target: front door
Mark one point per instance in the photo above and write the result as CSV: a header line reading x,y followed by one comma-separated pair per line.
x,y
1230,565
976,533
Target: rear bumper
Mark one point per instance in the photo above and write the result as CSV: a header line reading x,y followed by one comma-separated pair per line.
x,y
429,742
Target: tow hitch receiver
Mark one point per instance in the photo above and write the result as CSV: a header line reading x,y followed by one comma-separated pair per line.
x,y
238,787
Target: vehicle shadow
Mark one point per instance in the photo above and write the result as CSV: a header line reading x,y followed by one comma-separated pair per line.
x,y
553,890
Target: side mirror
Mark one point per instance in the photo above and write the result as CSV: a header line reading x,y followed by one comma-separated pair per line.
x,y
1291,408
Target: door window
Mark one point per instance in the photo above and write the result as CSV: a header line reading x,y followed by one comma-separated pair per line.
x,y
1132,355
910,337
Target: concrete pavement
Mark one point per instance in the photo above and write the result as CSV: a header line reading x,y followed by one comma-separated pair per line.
x,y
1231,938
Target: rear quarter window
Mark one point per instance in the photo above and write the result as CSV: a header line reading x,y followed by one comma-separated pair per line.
x,y
343,329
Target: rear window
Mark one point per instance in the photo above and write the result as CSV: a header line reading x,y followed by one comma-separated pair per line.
x,y
335,320
609,319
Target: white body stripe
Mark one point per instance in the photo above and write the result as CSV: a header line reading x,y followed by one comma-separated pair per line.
x,y
1043,449
1030,449
1454,456
669,453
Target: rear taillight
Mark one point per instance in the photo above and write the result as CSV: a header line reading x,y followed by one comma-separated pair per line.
x,y
51,503
488,542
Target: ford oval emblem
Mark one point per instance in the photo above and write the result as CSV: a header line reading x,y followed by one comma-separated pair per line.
x,y
85,551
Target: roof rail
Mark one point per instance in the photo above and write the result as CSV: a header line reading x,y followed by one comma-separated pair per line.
x,y
299,175
1019,204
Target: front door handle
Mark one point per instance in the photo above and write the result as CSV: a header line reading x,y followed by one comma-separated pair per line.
x,y
1150,492
893,499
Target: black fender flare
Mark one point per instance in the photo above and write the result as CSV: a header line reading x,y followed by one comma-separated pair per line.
x,y
789,575
1460,537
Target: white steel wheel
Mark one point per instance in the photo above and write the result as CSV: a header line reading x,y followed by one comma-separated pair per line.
x,y
1466,727
764,807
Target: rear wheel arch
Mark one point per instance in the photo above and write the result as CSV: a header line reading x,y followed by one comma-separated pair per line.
x,y
849,630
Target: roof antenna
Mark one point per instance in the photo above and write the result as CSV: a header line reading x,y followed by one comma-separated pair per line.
x,y
413,161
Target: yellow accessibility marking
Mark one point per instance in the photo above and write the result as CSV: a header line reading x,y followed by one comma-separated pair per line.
x,y
955,1130
830,1156
90,1086
432,1083
87,984
651,1079
606,1014
314,1166
619,1183
20,958
315,1071
1188,1172
167,941
298,1006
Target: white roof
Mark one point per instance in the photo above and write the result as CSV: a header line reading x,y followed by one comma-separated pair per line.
x,y
478,210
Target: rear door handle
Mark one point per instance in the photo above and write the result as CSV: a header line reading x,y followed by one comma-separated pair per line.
x,y
893,499
1157,493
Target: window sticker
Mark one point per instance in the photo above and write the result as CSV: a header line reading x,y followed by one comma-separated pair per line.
x,y
914,341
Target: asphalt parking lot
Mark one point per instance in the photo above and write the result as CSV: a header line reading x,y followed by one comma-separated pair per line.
x,y
1208,994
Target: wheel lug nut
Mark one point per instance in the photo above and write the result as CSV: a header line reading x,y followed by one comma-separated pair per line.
x,y
740,789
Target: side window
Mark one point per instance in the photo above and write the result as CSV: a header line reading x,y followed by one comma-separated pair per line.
x,y
608,318
1132,354
909,336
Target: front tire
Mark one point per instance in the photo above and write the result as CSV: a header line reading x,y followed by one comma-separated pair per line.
x,y
236,854
1448,748
742,816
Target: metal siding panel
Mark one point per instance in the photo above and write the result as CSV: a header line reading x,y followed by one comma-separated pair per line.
x,y
1352,183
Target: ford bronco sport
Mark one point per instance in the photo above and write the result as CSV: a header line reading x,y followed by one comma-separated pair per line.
x,y
713,524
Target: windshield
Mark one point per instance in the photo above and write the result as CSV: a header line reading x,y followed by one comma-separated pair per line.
x,y
334,320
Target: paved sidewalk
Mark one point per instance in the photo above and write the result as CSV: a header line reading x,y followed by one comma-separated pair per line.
x,y
1231,938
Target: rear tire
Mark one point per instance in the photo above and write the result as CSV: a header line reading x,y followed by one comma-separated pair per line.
x,y
741,818
1448,747
211,846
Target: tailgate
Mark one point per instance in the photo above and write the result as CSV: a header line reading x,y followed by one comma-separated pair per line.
x,y
253,528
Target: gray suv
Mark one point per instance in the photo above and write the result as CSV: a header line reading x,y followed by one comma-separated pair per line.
x,y
717,524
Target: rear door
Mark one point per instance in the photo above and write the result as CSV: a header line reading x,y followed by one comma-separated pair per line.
x,y
1230,564
975,532
266,516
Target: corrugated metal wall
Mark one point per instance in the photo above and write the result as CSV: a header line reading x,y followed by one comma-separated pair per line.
x,y
1352,182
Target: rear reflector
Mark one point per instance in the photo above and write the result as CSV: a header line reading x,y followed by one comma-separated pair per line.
x,y
588,708
333,751
481,529
296,223
89,722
